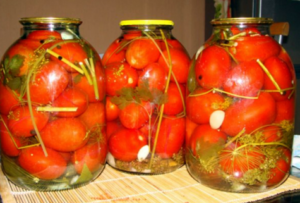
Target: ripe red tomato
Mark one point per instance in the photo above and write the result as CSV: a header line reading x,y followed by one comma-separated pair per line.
x,y
79,81
245,79
154,75
172,44
94,115
236,161
200,107
65,134
235,30
134,115
111,127
281,74
38,37
92,155
204,137
34,161
114,53
132,34
175,102
255,47
112,110
48,83
8,99
170,136
7,143
71,97
119,75
125,144
21,53
71,51
285,110
180,64
249,114
190,127
282,168
283,55
212,66
272,133
148,127
20,121
142,52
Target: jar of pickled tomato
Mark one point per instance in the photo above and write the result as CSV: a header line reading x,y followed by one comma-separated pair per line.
x,y
146,71
52,94
240,108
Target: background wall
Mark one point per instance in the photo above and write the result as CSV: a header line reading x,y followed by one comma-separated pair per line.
x,y
101,18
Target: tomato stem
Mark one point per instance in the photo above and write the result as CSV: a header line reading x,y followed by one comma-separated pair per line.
x,y
57,109
86,73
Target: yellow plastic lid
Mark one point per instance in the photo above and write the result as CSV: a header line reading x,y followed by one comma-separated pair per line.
x,y
146,22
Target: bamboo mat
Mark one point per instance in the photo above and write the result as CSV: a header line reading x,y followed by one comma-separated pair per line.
x,y
116,186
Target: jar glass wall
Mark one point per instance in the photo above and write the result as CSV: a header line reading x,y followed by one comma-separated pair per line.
x,y
240,108
52,108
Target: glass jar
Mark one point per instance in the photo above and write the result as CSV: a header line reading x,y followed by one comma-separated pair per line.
x,y
52,107
146,70
240,108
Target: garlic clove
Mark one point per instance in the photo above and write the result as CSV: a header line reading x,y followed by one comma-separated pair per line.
x,y
216,119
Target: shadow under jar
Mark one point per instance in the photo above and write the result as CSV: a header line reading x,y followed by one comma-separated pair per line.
x,y
240,108
52,107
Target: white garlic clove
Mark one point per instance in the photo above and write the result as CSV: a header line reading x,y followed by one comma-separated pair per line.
x,y
66,35
216,119
143,153
110,159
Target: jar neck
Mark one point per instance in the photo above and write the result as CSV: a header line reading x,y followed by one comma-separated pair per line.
x,y
232,29
153,30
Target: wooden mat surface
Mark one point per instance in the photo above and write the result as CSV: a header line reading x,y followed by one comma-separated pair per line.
x,y
115,186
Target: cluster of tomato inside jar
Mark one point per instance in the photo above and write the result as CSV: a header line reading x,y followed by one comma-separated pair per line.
x,y
240,109
140,91
42,140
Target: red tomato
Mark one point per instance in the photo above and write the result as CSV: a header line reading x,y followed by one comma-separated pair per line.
x,y
190,127
92,155
148,127
65,134
180,64
285,110
7,142
272,133
21,53
236,159
282,168
119,75
94,115
111,127
71,97
132,34
48,83
255,47
249,114
245,79
20,121
154,75
112,110
172,44
281,74
283,55
35,162
134,115
212,66
71,51
175,102
200,107
125,144
170,136
8,99
204,137
249,30
114,53
81,82
142,52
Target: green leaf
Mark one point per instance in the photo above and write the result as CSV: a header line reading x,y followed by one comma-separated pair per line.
x,y
191,82
85,175
77,78
14,83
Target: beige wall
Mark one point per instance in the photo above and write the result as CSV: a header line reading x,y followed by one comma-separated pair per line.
x,y
101,18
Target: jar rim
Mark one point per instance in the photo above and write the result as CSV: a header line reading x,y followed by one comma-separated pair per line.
x,y
241,20
53,20
146,22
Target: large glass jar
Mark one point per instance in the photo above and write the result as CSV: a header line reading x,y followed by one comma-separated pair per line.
x,y
52,107
146,70
240,108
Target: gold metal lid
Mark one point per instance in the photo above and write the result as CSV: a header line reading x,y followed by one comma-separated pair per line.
x,y
52,20
146,22
242,20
